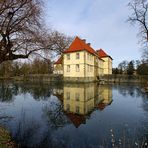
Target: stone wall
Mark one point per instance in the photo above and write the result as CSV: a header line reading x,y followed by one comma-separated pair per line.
x,y
79,79
125,78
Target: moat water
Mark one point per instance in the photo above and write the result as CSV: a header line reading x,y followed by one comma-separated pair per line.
x,y
74,115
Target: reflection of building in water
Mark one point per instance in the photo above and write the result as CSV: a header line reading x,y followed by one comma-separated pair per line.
x,y
79,100
105,92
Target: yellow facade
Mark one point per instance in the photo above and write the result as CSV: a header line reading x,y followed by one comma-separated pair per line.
x,y
79,99
107,65
82,99
69,64
81,61
105,94
87,65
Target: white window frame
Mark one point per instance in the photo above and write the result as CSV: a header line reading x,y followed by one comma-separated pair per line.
x,y
77,67
77,55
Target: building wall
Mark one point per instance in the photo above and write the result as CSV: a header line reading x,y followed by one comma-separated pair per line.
x,y
106,94
110,66
107,65
100,67
79,99
72,62
85,62
83,98
86,66
89,64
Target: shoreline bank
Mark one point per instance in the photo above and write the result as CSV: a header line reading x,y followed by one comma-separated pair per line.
x,y
6,139
60,79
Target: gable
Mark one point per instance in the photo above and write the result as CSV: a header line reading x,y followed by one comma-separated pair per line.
x,y
79,45
103,54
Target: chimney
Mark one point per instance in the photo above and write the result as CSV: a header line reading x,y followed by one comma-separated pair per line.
x,y
84,40
88,44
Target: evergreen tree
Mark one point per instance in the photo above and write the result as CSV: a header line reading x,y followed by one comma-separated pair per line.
x,y
130,68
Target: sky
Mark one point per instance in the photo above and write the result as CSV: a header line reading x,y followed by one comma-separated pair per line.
x,y
101,22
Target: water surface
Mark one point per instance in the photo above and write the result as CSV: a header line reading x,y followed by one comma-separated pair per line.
x,y
74,115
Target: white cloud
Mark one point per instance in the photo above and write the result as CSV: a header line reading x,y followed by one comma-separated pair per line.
x,y
101,22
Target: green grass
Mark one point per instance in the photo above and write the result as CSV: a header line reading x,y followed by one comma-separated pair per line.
x,y
5,139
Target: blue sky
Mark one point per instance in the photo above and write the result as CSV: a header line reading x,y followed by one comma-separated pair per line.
x,y
100,22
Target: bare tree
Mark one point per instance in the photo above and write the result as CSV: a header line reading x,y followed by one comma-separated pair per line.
x,y
21,29
59,41
140,17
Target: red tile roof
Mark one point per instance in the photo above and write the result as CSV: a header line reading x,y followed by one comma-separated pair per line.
x,y
59,61
101,106
102,53
80,45
77,120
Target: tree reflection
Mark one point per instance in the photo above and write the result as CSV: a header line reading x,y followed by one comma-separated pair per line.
x,y
26,130
39,91
126,89
39,124
55,115
31,132
8,91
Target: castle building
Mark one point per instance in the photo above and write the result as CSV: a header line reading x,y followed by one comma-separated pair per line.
x,y
80,62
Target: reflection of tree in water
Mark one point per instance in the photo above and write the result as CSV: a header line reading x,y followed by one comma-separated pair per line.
x,y
127,90
132,90
31,133
25,131
55,115
8,91
39,91
28,132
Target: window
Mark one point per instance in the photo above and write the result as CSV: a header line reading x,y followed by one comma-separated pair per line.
x,y
68,56
88,56
77,68
77,56
68,68
68,95
77,109
67,107
77,96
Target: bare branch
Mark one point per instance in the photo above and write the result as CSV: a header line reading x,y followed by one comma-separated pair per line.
x,y
140,15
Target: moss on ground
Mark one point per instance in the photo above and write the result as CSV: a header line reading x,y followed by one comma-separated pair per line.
x,y
5,139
